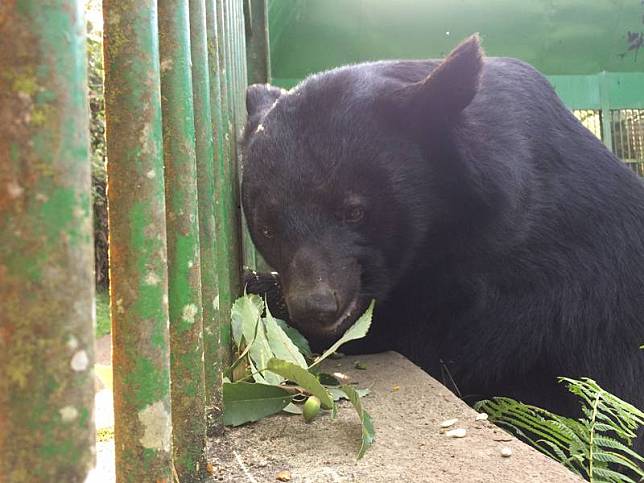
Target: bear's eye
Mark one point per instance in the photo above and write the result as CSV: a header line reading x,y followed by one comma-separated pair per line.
x,y
266,232
354,214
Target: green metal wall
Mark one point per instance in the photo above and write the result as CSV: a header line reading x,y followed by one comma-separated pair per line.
x,y
571,41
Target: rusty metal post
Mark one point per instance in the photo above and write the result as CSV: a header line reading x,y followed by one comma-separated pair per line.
x,y
258,69
230,162
250,256
258,44
217,345
232,60
138,272
227,248
46,250
182,222
205,151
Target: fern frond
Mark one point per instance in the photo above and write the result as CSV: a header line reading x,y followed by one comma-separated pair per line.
x,y
611,443
595,446
615,458
605,474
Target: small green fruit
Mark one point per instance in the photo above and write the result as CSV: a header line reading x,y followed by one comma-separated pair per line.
x,y
311,408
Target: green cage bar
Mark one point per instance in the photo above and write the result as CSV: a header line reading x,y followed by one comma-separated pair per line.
x,y
205,151
138,271
182,224
227,72
237,58
258,44
250,255
228,219
217,351
258,66
46,250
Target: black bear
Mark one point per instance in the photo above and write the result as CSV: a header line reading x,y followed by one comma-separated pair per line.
x,y
503,243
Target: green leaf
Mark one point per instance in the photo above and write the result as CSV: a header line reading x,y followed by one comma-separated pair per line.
x,y
368,432
293,409
616,459
298,339
328,380
302,377
280,343
356,331
245,314
245,402
258,377
337,393
604,474
248,327
260,353
608,442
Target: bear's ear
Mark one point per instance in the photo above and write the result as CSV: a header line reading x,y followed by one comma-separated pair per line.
x,y
451,86
259,99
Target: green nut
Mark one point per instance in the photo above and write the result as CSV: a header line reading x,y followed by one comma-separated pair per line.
x,y
311,408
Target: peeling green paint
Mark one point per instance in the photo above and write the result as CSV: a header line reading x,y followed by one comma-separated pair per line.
x,y
205,152
146,382
46,252
182,220
136,202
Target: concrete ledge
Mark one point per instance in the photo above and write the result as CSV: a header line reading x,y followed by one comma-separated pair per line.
x,y
410,445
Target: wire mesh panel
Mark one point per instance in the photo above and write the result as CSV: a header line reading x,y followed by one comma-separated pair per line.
x,y
627,129
591,119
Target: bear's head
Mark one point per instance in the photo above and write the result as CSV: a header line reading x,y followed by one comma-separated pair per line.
x,y
340,184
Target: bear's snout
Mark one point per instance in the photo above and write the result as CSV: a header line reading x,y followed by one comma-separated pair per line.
x,y
316,306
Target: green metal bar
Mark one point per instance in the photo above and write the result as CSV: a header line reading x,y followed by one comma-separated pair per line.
x,y
219,355
258,44
250,256
605,108
46,250
258,67
138,273
235,58
182,222
205,151
243,62
230,216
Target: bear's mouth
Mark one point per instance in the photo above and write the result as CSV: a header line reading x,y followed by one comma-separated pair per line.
x,y
324,333
348,317
334,330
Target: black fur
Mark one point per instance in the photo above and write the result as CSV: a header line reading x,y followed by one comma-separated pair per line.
x,y
503,242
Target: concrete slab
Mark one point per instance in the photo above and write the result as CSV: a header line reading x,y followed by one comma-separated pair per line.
x,y
407,406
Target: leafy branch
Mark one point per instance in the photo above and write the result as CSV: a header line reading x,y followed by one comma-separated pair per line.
x,y
277,357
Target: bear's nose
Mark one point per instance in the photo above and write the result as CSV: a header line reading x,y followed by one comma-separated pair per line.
x,y
319,305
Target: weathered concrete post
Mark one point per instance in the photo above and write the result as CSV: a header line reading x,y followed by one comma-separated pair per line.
x,y
46,250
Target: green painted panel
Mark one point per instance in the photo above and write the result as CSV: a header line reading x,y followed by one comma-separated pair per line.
x,y
577,91
626,91
558,37
623,90
571,41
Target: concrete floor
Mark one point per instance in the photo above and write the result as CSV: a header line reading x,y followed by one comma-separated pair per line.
x,y
407,406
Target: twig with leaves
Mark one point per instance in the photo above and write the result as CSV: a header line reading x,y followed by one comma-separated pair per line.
x,y
279,361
